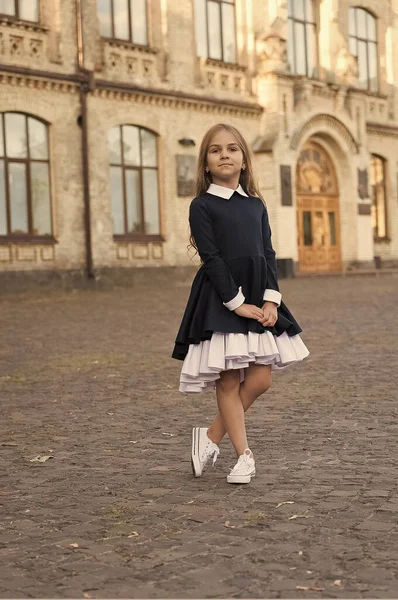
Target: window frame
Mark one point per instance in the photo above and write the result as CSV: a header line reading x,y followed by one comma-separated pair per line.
x,y
140,236
305,22
16,17
367,41
29,236
384,162
222,59
130,40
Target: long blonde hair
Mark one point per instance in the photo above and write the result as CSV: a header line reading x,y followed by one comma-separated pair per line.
x,y
203,179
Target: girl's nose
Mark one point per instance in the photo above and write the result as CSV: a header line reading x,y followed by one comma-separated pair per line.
x,y
225,153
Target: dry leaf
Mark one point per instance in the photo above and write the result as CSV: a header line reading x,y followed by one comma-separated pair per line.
x,y
86,595
228,524
307,588
190,501
299,517
8,444
74,545
39,458
300,553
337,582
169,434
282,503
133,534
133,441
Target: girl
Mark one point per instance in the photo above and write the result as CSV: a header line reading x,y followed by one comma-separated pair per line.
x,y
235,328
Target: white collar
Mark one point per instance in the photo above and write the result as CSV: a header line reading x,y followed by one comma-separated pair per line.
x,y
224,192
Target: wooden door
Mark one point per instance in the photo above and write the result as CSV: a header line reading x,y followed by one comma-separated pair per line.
x,y
318,221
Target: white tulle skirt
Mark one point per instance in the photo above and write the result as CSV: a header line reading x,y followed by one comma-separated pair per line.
x,y
224,351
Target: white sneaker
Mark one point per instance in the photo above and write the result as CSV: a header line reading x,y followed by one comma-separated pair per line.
x,y
202,449
244,469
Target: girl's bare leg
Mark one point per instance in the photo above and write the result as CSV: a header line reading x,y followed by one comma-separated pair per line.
x,y
257,381
231,409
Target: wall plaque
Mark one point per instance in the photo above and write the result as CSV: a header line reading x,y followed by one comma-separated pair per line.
x,y
363,183
286,185
186,175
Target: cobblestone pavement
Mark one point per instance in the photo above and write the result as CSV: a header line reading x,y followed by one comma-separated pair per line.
x,y
86,378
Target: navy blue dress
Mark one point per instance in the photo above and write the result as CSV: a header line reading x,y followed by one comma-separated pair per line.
x,y
233,237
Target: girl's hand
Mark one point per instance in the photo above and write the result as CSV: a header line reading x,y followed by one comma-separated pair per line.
x,y
270,314
249,311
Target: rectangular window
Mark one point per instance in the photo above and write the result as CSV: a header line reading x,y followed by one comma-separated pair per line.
x,y
18,198
139,22
332,229
40,190
117,199
133,201
3,201
151,201
125,20
379,197
307,228
302,44
362,28
215,29
26,10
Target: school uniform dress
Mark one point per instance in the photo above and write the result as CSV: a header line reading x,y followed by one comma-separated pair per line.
x,y
233,236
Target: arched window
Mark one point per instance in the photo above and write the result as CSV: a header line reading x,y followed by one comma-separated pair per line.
x,y
133,157
379,197
302,37
123,20
216,29
25,206
362,31
26,10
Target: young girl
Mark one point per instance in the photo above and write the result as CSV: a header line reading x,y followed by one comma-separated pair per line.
x,y
235,328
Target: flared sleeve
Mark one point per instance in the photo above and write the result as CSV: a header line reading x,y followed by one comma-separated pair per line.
x,y
214,266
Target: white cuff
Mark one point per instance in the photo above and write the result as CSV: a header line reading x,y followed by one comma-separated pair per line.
x,y
273,296
235,302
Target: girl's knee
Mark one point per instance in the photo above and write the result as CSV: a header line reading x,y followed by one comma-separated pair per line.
x,y
229,382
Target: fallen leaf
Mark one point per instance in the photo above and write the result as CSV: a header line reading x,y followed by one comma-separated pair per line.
x,y
300,553
133,534
74,545
337,582
307,588
299,517
282,503
86,595
110,413
133,441
169,434
39,458
8,444
228,524
190,501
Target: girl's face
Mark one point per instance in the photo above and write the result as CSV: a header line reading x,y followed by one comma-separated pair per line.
x,y
225,159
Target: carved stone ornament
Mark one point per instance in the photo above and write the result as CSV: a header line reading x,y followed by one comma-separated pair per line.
x,y
272,48
347,68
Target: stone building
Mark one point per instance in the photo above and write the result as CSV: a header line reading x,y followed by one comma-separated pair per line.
x,y
104,102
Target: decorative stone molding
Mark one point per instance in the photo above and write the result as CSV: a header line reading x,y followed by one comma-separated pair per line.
x,y
23,44
324,122
139,251
217,75
17,254
129,63
39,83
346,68
382,130
271,47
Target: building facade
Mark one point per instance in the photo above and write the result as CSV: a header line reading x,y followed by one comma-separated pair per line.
x,y
103,104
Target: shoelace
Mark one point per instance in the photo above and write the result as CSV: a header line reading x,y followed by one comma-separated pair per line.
x,y
211,450
242,459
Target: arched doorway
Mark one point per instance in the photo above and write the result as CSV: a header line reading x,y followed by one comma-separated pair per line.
x,y
317,211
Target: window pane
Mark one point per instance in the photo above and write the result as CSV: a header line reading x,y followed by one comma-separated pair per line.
x,y
352,41
214,27
298,9
311,15
38,144
131,145
18,201
7,7
372,35
40,191
381,212
311,51
290,46
299,47
133,199
121,19
151,200
114,145
16,145
3,206
362,64
104,10
117,199
373,64
361,23
201,28
29,10
319,229
228,28
351,21
1,136
148,149
332,229
139,22
307,228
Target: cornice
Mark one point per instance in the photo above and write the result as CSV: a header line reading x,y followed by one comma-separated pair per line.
x,y
36,83
381,129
